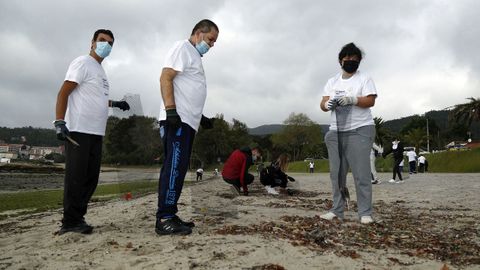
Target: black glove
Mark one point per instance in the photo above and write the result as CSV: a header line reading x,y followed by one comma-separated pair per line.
x,y
206,123
61,129
122,105
173,119
291,179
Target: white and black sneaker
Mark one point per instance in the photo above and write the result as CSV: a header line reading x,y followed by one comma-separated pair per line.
x,y
171,226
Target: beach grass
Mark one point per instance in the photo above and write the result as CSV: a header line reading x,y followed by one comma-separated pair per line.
x,y
321,165
16,203
442,162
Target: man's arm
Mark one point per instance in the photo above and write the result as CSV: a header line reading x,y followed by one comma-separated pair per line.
x,y
166,87
366,102
62,99
322,103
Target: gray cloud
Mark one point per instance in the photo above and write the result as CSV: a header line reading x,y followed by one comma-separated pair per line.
x,y
272,57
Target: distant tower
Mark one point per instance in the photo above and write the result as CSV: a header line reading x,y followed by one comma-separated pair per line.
x,y
135,107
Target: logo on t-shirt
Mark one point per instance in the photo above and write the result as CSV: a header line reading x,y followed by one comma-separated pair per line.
x,y
106,86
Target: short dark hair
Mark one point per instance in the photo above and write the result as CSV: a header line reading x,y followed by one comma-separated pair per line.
x,y
204,26
102,31
349,50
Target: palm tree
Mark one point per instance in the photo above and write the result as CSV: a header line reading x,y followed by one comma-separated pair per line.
x,y
416,136
467,113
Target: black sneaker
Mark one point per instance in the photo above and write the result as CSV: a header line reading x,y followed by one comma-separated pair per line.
x,y
171,226
189,224
81,227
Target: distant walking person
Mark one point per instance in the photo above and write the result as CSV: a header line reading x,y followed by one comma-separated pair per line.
x,y
184,90
421,163
376,150
412,161
397,150
311,166
349,95
199,174
81,119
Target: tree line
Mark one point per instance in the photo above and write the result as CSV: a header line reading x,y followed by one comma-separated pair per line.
x,y
136,140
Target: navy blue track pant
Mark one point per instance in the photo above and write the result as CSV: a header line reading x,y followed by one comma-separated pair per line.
x,y
177,145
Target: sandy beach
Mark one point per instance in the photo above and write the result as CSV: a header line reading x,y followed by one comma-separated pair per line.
x,y
431,221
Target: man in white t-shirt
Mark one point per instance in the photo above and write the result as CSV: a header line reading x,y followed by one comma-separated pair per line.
x,y
184,90
81,118
349,96
199,174
311,166
412,161
421,163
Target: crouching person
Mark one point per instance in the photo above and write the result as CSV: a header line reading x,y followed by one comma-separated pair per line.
x,y
235,170
274,176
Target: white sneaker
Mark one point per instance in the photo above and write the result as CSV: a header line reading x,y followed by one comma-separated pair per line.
x,y
391,181
328,216
271,190
366,220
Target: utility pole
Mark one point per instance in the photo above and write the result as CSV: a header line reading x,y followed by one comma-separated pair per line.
x,y
428,138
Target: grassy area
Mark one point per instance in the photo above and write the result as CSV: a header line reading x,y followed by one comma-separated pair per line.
x,y
321,165
444,162
38,201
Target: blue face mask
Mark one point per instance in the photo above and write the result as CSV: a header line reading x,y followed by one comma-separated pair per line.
x,y
103,49
202,47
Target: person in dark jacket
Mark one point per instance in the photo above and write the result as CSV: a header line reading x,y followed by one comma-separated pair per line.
x,y
274,175
397,150
235,170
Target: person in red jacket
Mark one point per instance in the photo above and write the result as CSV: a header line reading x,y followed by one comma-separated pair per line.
x,y
235,170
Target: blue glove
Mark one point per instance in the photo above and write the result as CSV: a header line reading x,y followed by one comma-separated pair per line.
x,y
122,105
61,129
344,101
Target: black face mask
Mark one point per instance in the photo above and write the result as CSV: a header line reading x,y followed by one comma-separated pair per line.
x,y
350,66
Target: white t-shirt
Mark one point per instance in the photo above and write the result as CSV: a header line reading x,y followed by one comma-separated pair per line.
x,y
421,160
87,109
411,156
190,84
352,116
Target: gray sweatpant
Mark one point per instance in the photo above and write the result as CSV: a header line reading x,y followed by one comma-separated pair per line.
x,y
355,146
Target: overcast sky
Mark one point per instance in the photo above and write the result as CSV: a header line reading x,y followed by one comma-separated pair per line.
x,y
272,57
